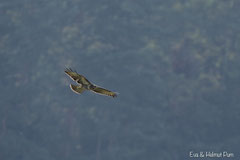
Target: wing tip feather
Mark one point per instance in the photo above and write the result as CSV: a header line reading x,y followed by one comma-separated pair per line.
x,y
115,95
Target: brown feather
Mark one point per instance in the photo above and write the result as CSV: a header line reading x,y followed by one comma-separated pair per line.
x,y
76,77
104,92
76,89
85,84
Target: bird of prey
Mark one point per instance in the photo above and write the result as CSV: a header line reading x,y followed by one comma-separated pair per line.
x,y
84,84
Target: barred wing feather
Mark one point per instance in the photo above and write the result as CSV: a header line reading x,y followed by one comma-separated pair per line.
x,y
77,77
104,91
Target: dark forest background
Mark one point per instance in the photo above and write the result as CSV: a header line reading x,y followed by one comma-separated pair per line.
x,y
175,63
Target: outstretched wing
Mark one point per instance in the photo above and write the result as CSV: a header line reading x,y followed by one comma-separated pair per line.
x,y
77,89
77,77
104,91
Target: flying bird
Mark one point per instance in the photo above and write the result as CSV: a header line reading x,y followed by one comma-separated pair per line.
x,y
84,84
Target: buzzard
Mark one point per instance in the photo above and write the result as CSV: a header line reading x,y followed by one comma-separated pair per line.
x,y
84,84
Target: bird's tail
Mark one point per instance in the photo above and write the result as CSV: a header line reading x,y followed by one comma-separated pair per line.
x,y
77,89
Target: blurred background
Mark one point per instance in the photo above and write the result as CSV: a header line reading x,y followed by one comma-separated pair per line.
x,y
175,63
